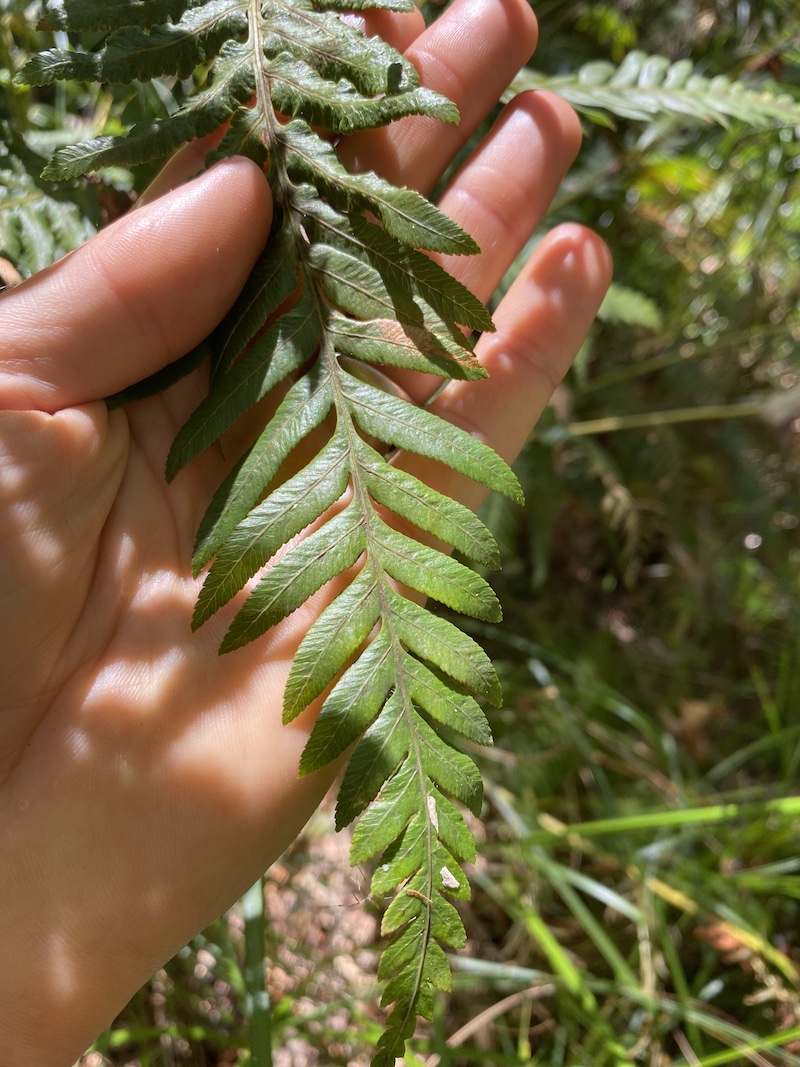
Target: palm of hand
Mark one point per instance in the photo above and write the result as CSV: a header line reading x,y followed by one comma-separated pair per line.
x,y
153,775
128,746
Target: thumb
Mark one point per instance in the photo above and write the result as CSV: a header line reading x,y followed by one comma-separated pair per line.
x,y
136,296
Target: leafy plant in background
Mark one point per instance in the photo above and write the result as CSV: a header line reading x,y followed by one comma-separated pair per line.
x,y
38,223
666,459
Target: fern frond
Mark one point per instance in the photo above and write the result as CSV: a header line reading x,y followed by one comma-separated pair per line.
x,y
646,85
79,16
405,214
37,226
297,89
343,286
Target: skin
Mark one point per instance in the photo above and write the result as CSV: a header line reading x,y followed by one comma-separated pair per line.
x,y
145,782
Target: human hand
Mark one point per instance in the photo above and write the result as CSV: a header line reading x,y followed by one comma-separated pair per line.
x,y
145,782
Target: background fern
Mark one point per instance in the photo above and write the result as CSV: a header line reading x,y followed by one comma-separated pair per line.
x,y
644,85
649,652
39,223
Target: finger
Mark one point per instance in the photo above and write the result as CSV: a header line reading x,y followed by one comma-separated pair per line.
x,y
398,28
135,297
470,54
541,324
504,190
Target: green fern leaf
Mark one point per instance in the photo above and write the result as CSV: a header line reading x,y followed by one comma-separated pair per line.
x,y
343,286
315,561
646,85
376,756
364,5
403,344
353,705
441,643
459,711
297,90
434,574
86,15
330,643
292,507
404,274
335,49
242,138
147,141
406,215
273,280
411,499
38,224
403,425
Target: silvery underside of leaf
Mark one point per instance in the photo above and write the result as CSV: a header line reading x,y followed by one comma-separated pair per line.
x,y
345,288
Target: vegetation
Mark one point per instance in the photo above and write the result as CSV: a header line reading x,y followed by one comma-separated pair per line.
x,y
637,889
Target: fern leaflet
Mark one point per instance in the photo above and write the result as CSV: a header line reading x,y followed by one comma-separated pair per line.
x,y
344,284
